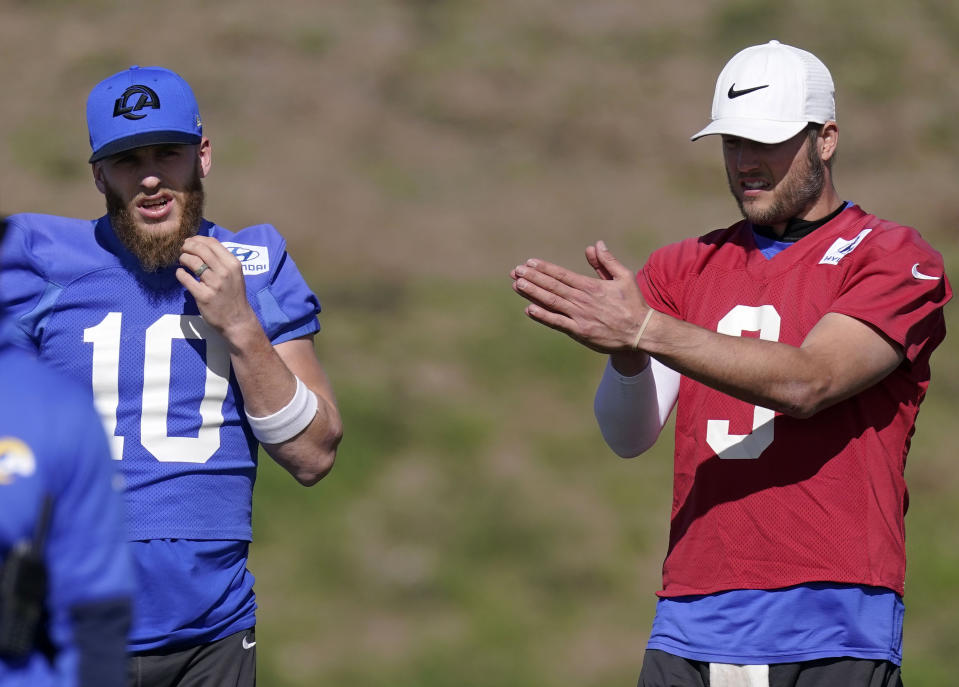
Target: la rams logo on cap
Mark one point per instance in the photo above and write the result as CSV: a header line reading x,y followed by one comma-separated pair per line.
x,y
16,459
146,97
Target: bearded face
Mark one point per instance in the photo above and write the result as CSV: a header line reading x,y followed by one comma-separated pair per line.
x,y
794,193
773,183
155,246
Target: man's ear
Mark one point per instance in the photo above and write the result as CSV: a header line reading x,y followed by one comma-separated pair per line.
x,y
205,154
97,169
830,140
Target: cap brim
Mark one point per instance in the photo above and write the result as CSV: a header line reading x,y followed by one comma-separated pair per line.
x,y
760,130
146,138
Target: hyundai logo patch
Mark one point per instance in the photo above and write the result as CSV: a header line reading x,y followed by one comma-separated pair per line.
x,y
254,259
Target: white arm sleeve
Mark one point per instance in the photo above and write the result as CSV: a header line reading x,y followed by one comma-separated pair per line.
x,y
632,411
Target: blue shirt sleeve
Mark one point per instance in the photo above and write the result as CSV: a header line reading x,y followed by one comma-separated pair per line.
x,y
88,565
286,305
25,291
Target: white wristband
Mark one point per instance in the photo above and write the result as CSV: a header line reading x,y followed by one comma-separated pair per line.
x,y
289,420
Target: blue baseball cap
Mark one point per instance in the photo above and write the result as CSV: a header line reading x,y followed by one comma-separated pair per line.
x,y
141,106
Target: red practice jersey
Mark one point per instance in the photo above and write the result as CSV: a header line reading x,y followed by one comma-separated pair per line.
x,y
762,500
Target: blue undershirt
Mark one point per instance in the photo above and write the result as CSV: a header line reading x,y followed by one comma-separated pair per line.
x,y
770,247
802,623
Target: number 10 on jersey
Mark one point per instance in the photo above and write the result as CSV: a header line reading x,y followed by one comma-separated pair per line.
x,y
155,400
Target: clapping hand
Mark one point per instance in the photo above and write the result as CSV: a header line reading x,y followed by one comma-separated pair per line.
x,y
604,313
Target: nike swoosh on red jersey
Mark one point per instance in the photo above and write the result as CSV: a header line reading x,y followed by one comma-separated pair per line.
x,y
919,275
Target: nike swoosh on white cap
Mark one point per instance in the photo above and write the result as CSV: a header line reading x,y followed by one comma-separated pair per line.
x,y
919,275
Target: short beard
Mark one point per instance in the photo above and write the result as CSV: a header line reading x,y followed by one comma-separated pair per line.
x,y
157,250
797,191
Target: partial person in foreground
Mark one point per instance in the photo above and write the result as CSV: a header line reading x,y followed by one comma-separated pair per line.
x,y
66,581
197,343
795,345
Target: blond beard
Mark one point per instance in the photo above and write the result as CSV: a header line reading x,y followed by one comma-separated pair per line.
x,y
155,250
796,193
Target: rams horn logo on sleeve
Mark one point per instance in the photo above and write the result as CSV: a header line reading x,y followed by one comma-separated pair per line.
x,y
16,458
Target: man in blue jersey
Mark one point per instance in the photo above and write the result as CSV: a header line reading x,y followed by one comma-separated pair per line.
x,y
198,345
66,580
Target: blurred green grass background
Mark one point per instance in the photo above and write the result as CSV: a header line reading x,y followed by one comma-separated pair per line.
x,y
475,530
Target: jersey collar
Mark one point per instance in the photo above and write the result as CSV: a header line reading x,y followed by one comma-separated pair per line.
x,y
798,228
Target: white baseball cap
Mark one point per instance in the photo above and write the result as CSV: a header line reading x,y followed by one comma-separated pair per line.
x,y
769,93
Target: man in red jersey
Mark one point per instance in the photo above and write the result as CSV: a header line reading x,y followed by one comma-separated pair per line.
x,y
795,345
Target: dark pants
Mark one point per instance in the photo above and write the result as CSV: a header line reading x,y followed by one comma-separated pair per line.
x,y
661,669
227,662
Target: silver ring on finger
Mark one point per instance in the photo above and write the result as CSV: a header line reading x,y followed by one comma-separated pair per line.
x,y
200,270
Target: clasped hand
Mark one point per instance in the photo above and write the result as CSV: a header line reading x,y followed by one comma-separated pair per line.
x,y
603,313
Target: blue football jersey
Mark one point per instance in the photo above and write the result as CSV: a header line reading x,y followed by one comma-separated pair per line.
x,y
52,445
162,381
